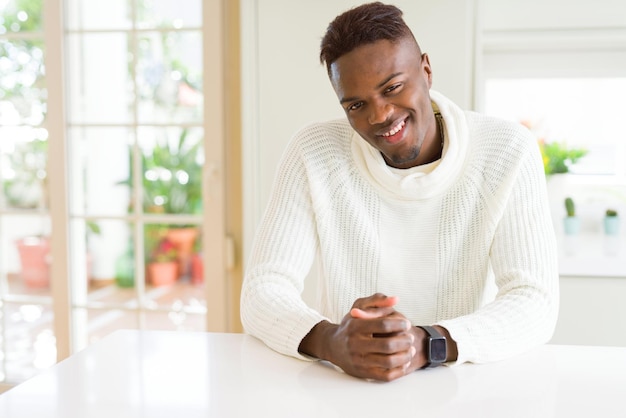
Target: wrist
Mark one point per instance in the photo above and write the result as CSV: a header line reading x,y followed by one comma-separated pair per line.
x,y
434,346
423,341
317,341
451,348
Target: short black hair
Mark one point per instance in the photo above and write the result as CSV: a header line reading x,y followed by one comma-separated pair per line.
x,y
362,25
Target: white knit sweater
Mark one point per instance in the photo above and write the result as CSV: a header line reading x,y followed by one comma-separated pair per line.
x,y
469,246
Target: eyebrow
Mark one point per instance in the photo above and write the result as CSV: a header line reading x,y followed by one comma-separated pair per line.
x,y
385,81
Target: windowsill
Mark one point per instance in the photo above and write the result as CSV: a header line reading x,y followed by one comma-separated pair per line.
x,y
592,255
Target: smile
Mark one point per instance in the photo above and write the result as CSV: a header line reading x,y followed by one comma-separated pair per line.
x,y
397,128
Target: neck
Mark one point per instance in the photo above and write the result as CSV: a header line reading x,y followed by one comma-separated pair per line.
x,y
434,149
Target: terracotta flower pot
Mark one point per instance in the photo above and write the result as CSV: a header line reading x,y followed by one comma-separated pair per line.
x,y
34,255
163,273
183,239
197,269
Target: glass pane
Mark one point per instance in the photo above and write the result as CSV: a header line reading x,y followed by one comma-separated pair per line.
x,y
30,345
110,246
23,167
101,87
22,89
168,252
110,263
20,15
169,13
173,267
84,236
172,162
579,113
26,253
98,14
99,186
169,81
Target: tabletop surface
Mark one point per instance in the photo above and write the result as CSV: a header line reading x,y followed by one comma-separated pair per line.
x,y
156,374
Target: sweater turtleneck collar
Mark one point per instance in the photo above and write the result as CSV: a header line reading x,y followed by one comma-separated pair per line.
x,y
422,181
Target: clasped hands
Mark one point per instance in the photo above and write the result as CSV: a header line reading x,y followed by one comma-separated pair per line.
x,y
373,341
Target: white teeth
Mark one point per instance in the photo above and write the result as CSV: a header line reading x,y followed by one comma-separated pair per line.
x,y
395,130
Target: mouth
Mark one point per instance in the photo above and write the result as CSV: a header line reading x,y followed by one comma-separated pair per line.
x,y
394,135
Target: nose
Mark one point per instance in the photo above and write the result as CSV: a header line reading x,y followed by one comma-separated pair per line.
x,y
380,112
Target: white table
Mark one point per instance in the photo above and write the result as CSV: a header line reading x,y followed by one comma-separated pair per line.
x,y
156,374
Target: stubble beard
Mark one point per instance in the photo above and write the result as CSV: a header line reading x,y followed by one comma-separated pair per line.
x,y
400,160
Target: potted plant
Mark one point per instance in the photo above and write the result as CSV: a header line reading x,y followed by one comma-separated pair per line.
x,y
611,222
571,223
35,258
558,157
162,266
184,239
172,184
172,178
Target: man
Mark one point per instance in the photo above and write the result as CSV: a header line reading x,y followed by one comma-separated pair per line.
x,y
431,223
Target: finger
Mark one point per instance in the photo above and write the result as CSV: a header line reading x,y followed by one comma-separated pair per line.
x,y
397,360
377,300
388,343
375,306
371,313
380,374
386,326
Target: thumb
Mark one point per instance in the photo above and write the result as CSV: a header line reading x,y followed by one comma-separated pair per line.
x,y
371,312
375,306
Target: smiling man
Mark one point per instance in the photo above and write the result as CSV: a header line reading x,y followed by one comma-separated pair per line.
x,y
430,223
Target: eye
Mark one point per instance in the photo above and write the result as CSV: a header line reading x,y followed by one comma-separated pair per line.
x,y
393,88
354,106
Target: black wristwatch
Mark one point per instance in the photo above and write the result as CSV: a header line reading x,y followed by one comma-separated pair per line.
x,y
436,346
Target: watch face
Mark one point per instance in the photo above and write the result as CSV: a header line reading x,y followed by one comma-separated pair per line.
x,y
438,350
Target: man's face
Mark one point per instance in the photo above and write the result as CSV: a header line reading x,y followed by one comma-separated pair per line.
x,y
384,90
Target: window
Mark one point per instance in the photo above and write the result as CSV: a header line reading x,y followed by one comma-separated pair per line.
x,y
564,76
580,112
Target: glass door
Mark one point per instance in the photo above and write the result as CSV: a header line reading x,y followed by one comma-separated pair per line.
x,y
107,164
136,142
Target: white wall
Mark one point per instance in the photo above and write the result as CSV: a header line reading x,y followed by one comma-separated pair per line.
x,y
592,311
513,15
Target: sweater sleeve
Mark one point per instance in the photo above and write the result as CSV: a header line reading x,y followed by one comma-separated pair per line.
x,y
284,249
524,261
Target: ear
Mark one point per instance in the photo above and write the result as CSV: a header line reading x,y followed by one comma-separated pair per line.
x,y
426,69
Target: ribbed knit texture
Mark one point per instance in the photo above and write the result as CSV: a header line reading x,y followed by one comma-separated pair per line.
x,y
469,246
